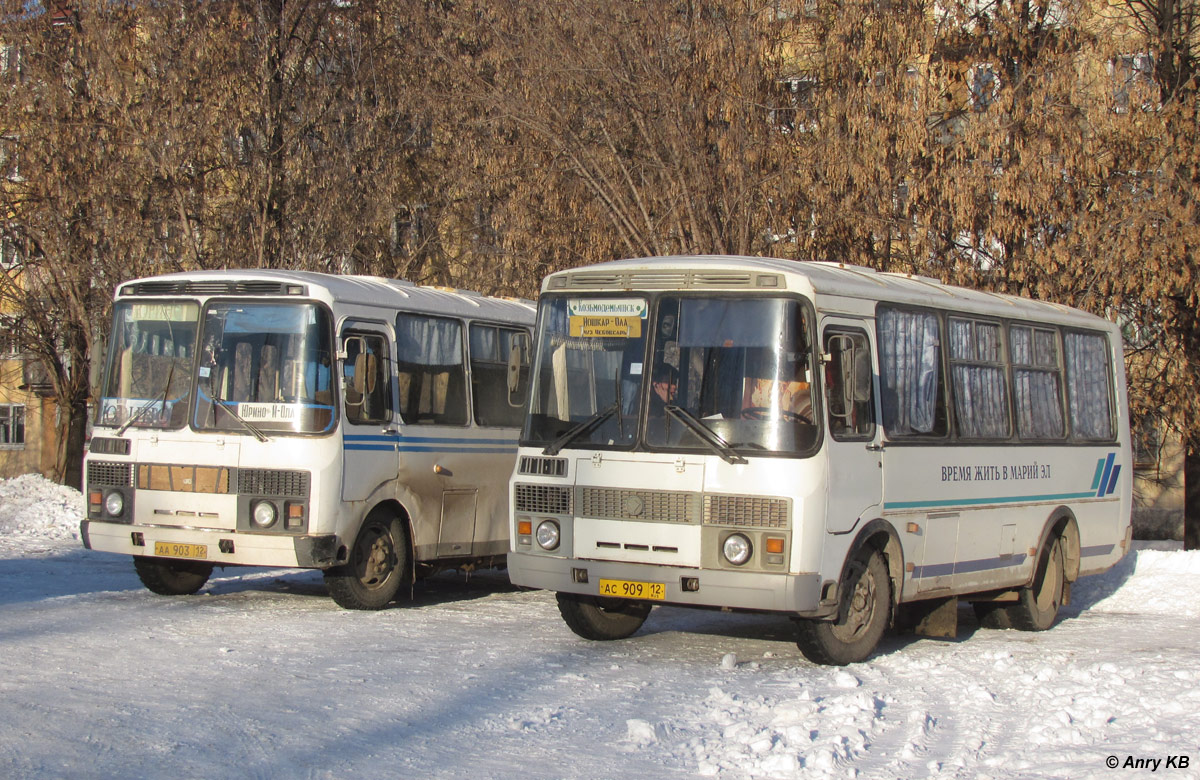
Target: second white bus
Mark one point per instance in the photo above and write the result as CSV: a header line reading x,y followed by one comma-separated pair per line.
x,y
358,425
841,445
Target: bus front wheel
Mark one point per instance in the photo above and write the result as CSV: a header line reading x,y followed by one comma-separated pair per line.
x,y
169,577
596,618
861,621
375,571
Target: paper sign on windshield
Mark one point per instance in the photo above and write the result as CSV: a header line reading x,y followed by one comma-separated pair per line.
x,y
252,412
606,318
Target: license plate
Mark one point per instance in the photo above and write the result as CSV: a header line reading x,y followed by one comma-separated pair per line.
x,y
625,589
175,550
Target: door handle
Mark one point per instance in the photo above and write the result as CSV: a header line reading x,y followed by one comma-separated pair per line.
x,y
874,448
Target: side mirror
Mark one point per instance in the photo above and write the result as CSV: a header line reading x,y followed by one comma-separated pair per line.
x,y
518,361
354,357
861,383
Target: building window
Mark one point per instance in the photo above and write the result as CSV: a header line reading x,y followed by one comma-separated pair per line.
x,y
984,82
1133,82
12,426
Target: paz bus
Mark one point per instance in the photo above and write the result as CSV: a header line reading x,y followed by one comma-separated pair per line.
x,y
362,426
845,446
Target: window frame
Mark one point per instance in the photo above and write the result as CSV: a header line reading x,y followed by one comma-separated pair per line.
x,y
364,330
1002,367
464,368
9,414
501,329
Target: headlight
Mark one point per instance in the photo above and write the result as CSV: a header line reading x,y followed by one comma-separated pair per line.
x,y
114,504
264,515
547,535
736,549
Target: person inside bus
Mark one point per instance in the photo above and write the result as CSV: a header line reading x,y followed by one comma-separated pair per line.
x,y
660,428
664,383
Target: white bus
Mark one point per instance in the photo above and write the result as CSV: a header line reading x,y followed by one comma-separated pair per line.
x,y
358,425
818,440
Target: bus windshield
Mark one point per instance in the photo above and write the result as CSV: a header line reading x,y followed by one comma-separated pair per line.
x,y
724,375
150,355
265,367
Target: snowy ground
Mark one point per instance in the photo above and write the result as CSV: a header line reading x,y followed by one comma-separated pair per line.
x,y
261,675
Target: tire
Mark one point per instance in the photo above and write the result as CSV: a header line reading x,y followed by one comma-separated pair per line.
x,y
602,619
1037,605
863,617
171,577
377,567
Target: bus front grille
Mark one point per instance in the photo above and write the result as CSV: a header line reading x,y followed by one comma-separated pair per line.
x,y
746,511
659,506
542,499
273,482
105,474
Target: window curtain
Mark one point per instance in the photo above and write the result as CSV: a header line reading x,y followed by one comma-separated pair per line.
x,y
909,356
429,342
1038,391
980,391
1088,393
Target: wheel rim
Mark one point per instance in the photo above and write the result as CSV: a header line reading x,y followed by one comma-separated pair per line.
x,y
375,556
860,611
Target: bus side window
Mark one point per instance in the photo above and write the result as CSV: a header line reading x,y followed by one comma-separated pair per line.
x,y
368,398
431,370
493,359
848,385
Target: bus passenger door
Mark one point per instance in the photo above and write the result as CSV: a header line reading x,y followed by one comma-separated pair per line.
x,y
369,434
855,476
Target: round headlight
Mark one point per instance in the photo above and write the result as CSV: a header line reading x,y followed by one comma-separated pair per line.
x,y
264,515
547,535
736,549
114,504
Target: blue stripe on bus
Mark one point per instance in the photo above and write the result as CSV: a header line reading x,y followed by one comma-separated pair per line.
x,y
1108,463
418,448
966,567
949,502
1112,483
1099,472
354,437
987,564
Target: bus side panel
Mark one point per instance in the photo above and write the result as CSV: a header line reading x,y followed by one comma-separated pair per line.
x,y
981,511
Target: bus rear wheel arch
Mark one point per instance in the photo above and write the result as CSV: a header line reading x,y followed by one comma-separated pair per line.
x,y
379,562
864,614
601,619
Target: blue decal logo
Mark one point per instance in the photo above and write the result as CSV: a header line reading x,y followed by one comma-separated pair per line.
x,y
1105,480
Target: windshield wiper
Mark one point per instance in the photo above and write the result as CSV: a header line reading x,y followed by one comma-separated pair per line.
x,y
257,433
719,445
162,403
587,426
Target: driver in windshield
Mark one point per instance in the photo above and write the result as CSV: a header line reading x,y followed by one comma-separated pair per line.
x,y
664,382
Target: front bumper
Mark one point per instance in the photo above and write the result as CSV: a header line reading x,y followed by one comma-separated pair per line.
x,y
791,593
224,547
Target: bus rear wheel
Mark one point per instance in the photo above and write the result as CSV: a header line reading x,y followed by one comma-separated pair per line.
x,y
1037,605
170,577
375,571
602,619
863,617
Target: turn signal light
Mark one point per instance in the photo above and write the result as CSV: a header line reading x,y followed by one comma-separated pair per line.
x,y
775,545
525,527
